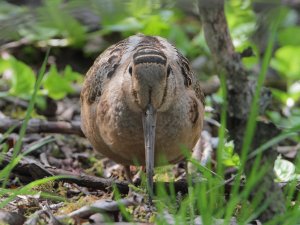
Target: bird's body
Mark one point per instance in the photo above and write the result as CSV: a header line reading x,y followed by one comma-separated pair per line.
x,y
125,79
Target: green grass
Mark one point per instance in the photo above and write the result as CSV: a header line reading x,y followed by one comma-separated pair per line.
x,y
8,195
4,174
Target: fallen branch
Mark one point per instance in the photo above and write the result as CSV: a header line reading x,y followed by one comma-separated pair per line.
x,y
14,44
43,126
31,169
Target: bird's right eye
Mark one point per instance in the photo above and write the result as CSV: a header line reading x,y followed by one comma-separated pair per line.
x,y
169,70
130,70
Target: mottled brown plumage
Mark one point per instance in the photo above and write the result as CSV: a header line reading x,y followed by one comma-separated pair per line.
x,y
124,80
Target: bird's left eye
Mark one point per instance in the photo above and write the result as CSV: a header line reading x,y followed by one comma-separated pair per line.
x,y
169,70
130,70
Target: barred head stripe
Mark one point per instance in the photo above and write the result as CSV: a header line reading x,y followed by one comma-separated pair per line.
x,y
149,54
150,59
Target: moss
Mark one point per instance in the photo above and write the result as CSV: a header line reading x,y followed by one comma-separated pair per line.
x,y
77,204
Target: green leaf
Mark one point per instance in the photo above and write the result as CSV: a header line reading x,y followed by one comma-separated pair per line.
x,y
229,157
284,170
129,24
71,76
287,61
36,32
178,36
4,65
57,86
281,96
241,20
55,16
289,36
106,8
139,8
22,77
4,173
155,25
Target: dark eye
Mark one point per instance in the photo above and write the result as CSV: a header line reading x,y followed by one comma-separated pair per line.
x,y
169,70
130,70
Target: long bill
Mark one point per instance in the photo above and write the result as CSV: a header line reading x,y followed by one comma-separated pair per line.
x,y
149,125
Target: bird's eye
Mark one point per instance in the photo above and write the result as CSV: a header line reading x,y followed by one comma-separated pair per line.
x,y
130,70
169,70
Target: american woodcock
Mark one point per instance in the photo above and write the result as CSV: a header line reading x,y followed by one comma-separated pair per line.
x,y
141,103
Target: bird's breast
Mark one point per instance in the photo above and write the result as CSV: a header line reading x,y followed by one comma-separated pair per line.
x,y
122,130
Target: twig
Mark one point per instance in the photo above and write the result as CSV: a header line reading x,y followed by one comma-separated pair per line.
x,y
170,219
15,101
33,219
43,126
102,206
14,44
211,86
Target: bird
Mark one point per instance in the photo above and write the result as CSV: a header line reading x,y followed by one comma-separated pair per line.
x,y
141,104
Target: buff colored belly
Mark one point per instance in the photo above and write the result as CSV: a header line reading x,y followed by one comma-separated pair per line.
x,y
122,132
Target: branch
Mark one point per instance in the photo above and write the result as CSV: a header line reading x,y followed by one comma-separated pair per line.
x,y
229,62
240,89
43,126
31,168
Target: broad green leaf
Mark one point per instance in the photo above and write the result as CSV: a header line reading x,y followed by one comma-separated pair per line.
x,y
154,25
36,32
289,36
22,77
71,76
106,8
4,65
229,157
287,61
56,85
139,8
16,156
282,96
241,20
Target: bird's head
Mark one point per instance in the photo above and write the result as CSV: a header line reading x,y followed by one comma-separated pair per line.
x,y
150,79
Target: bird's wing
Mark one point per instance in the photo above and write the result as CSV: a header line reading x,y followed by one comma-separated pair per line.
x,y
102,70
190,80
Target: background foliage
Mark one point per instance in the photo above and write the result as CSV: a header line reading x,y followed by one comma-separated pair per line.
x,y
77,31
